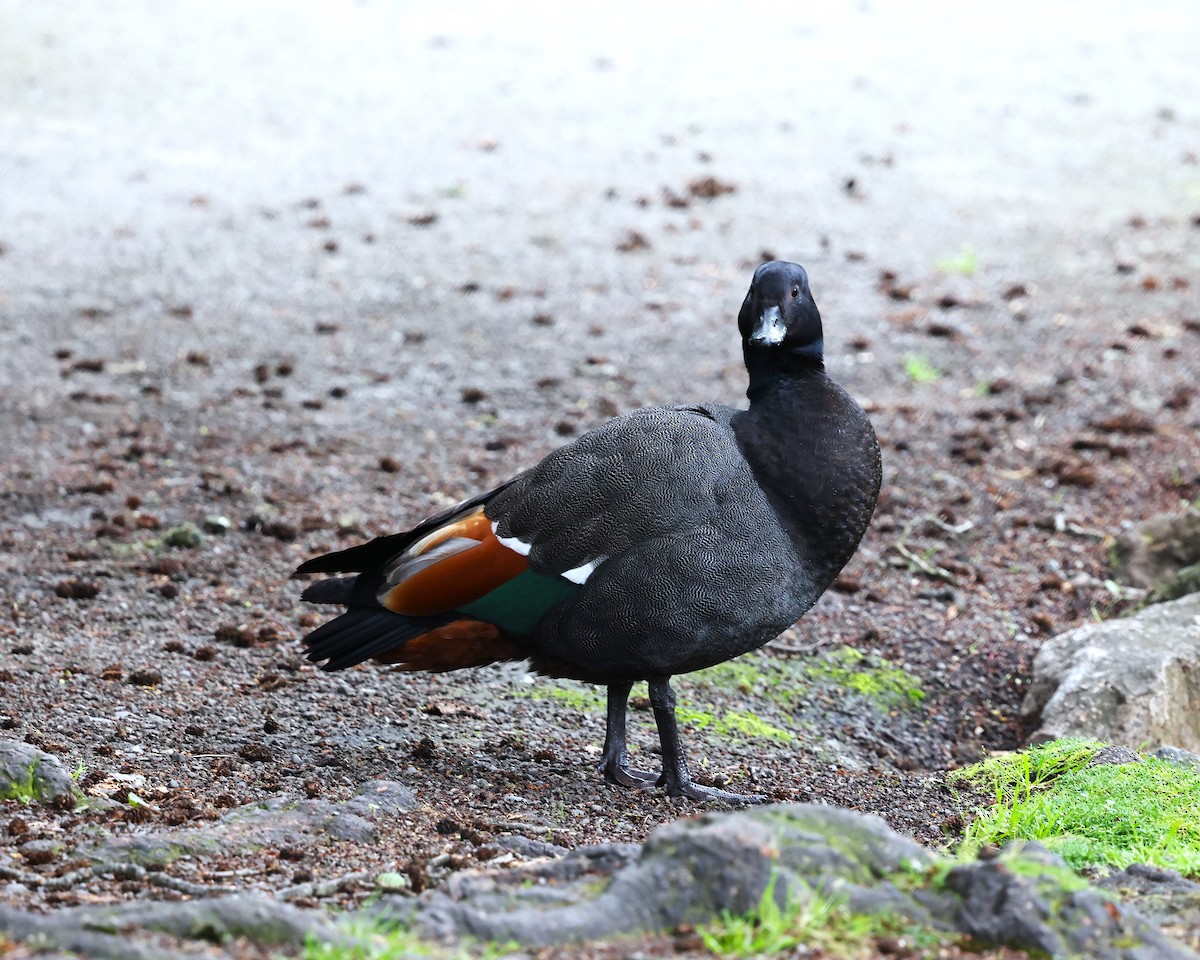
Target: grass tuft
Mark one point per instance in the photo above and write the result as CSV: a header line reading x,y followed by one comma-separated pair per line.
x,y
1104,817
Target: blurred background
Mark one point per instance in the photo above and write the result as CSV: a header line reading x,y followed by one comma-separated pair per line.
x,y
346,188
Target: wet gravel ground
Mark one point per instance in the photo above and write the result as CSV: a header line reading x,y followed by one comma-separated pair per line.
x,y
285,314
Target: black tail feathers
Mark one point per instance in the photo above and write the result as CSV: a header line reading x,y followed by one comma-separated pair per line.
x,y
362,633
333,590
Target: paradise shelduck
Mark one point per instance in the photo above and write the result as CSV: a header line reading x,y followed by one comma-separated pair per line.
x,y
668,540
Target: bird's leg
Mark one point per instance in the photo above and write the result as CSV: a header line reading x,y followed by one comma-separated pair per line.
x,y
675,779
615,762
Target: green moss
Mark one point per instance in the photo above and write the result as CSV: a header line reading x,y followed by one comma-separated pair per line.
x,y
778,680
184,535
1025,769
1104,817
579,696
874,678
364,939
732,723
814,920
749,675
22,790
775,682
729,723
1065,880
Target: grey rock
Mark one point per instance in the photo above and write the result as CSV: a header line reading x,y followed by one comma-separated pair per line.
x,y
259,918
1175,755
112,931
688,872
272,822
56,932
529,848
692,870
1131,682
1155,553
26,773
380,798
350,826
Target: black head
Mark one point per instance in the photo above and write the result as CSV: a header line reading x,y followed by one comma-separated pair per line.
x,y
779,320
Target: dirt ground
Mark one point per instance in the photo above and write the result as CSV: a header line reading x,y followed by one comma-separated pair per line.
x,y
307,314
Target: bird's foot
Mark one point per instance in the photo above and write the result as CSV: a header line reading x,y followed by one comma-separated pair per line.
x,y
616,770
685,787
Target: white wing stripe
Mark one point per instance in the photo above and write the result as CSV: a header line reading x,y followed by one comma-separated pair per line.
x,y
515,544
576,575
580,574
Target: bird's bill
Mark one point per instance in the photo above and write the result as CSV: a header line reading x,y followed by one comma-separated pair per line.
x,y
769,331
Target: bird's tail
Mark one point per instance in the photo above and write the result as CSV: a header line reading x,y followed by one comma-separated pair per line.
x,y
436,643
332,590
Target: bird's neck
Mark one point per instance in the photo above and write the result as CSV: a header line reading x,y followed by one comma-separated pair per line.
x,y
804,437
776,375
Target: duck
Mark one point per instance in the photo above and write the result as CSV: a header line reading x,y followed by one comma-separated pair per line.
x,y
667,540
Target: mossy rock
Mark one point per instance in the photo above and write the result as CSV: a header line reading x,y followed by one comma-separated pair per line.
x,y
29,775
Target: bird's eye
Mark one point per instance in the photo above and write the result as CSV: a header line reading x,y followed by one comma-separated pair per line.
x,y
795,292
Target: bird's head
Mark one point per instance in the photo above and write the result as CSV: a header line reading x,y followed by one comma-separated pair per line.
x,y
779,315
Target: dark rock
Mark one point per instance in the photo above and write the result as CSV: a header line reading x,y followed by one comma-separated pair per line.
x,y
633,240
1114,756
40,852
76,589
1022,900
996,906
706,188
1163,896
